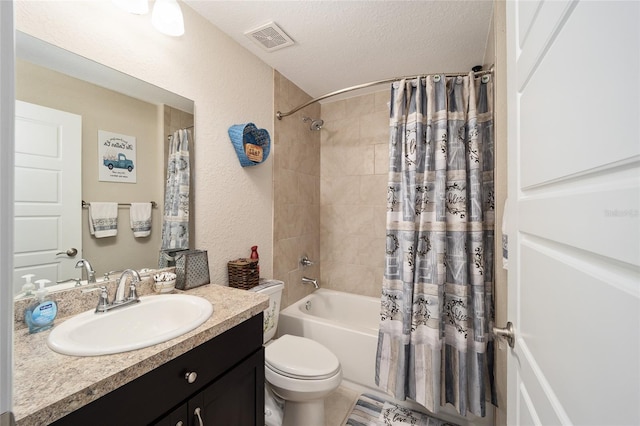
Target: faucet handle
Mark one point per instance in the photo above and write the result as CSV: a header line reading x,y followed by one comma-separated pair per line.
x,y
107,275
305,261
103,301
133,293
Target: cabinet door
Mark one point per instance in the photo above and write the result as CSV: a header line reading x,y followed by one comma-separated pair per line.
x,y
236,398
178,417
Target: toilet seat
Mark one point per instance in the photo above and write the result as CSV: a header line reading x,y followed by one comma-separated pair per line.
x,y
301,358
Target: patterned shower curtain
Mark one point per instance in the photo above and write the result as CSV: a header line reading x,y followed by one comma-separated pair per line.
x,y
175,222
434,343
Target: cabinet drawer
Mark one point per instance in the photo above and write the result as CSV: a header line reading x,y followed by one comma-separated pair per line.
x,y
155,393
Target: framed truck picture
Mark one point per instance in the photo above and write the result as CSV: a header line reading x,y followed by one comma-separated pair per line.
x,y
116,157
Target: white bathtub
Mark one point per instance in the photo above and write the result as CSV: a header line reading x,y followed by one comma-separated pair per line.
x,y
347,324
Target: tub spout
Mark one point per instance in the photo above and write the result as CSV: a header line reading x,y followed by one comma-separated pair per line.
x,y
306,280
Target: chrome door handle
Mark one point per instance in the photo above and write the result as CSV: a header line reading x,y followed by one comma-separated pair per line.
x,y
71,252
508,333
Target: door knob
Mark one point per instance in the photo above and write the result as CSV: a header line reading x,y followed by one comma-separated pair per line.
x,y
508,333
71,252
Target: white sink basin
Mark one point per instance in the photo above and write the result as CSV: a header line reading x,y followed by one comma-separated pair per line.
x,y
154,320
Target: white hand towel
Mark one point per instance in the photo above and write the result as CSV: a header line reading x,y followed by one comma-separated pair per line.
x,y
140,216
103,219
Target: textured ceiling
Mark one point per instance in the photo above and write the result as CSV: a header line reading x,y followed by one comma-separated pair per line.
x,y
345,43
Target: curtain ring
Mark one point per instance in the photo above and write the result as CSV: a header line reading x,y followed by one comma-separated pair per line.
x,y
485,78
436,78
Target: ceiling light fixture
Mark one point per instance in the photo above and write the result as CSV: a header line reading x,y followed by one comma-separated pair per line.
x,y
167,18
138,7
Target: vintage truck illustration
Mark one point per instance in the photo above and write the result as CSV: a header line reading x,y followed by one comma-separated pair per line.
x,y
120,163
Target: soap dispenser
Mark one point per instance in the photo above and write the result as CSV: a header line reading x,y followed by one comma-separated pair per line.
x,y
40,314
28,287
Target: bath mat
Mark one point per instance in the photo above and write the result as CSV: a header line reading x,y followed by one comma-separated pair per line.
x,y
371,410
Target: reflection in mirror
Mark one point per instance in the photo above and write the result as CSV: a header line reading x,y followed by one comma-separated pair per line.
x,y
68,109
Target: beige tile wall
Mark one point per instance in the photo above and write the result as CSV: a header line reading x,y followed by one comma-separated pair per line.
x,y
354,165
296,176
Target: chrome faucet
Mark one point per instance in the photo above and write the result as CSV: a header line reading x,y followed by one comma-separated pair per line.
x,y
91,274
306,280
118,298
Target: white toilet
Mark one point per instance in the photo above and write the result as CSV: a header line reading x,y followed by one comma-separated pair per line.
x,y
299,370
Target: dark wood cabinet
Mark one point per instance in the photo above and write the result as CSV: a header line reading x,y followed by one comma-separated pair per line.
x,y
178,417
236,398
228,387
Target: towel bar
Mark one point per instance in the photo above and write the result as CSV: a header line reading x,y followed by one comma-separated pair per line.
x,y
85,205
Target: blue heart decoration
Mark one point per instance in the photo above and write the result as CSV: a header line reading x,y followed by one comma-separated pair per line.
x,y
241,134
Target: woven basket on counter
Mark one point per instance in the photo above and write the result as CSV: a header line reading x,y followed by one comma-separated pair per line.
x,y
243,273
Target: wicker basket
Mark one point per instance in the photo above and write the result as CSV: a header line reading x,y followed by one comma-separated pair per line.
x,y
243,134
243,273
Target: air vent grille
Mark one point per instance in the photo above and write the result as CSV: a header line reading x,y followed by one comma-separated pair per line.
x,y
270,37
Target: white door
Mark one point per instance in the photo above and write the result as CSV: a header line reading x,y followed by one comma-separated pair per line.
x,y
48,208
574,184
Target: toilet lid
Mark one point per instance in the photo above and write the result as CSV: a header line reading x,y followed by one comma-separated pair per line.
x,y
300,358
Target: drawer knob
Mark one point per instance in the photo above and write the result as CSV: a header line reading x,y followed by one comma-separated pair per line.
x,y
191,376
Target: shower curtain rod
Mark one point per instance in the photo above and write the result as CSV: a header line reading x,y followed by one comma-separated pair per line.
x,y
281,115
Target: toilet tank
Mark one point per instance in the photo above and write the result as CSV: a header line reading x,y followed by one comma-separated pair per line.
x,y
273,289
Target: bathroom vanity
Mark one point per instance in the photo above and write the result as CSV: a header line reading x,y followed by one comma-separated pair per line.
x,y
215,371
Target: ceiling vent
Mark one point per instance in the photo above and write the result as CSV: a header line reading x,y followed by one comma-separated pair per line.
x,y
270,37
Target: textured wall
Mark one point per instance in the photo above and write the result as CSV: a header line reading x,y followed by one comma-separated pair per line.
x,y
229,85
353,193
296,192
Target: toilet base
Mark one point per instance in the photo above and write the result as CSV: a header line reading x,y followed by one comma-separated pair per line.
x,y
308,413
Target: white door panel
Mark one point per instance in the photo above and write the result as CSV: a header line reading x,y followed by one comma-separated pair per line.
x,y
578,328
544,20
574,182
47,193
568,77
42,134
574,216
34,185
38,234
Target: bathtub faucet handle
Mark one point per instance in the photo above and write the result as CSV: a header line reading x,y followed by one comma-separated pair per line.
x,y
306,280
305,261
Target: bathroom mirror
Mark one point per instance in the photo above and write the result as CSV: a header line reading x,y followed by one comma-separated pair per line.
x,y
105,100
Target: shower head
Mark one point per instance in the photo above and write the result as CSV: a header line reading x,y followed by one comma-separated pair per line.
x,y
315,124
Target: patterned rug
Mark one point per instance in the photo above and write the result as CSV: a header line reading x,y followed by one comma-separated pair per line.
x,y
370,410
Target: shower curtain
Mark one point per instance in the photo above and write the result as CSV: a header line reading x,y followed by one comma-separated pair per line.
x,y
434,343
175,222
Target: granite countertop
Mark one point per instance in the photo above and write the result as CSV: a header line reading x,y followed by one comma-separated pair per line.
x,y
48,385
